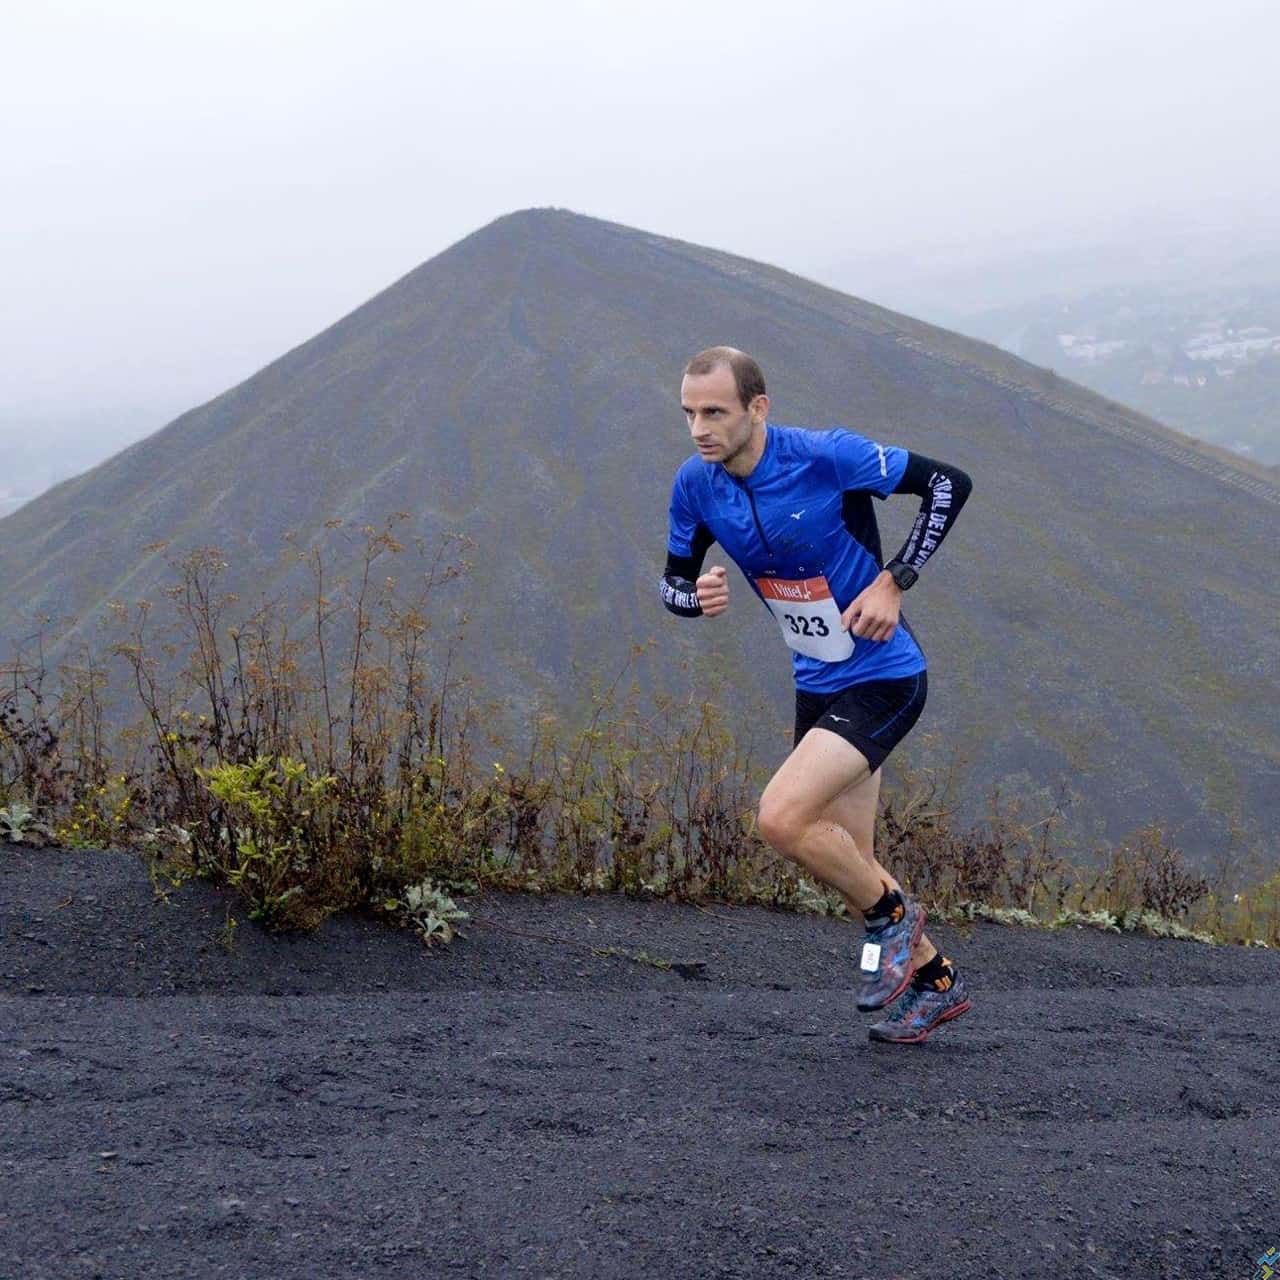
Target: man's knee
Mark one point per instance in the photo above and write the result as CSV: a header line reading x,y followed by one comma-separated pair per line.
x,y
783,820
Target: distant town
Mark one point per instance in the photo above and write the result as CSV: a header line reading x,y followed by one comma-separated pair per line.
x,y
1226,347
1206,362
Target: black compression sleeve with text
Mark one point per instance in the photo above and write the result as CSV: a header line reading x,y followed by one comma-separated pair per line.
x,y
679,594
944,489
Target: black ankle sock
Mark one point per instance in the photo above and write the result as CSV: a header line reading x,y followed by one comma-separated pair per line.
x,y
938,970
887,909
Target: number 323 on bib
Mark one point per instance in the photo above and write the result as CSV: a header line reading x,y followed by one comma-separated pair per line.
x,y
808,616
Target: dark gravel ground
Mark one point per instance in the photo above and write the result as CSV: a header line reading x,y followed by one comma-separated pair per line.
x,y
351,1104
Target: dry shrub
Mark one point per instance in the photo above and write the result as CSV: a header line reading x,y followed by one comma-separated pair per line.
x,y
1148,873
316,767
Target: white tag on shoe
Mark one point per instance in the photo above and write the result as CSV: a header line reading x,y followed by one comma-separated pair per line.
x,y
870,957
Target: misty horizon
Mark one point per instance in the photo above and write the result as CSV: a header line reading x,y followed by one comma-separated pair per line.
x,y
189,203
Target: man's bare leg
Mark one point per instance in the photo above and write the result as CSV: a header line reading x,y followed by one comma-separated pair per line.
x,y
793,815
855,810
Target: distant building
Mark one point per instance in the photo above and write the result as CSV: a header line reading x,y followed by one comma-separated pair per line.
x,y
1088,348
1237,348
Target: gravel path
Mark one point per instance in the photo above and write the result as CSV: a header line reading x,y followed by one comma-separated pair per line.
x,y
351,1104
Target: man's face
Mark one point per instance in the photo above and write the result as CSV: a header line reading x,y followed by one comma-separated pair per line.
x,y
719,425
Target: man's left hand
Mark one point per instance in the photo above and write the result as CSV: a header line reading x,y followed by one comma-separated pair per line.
x,y
873,614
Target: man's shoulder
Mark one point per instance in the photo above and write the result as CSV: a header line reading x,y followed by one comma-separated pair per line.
x,y
807,441
690,483
838,444
691,471
807,445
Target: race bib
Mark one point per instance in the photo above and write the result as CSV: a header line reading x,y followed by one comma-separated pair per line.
x,y
808,616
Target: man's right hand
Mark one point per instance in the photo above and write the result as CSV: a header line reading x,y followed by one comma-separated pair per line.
x,y
713,590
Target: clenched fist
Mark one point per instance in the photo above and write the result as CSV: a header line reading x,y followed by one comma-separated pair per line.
x,y
713,590
874,614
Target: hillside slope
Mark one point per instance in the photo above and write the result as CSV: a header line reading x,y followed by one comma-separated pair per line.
x,y
1104,614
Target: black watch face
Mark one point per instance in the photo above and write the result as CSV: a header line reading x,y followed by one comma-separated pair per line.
x,y
904,575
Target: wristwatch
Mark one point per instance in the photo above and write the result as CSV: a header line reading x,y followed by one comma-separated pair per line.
x,y
903,574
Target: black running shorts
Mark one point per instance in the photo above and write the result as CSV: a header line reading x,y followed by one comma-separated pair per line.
x,y
874,716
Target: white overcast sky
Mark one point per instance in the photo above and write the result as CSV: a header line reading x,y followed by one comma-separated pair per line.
x,y
188,190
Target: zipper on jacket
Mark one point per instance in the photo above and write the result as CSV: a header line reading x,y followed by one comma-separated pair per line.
x,y
755,515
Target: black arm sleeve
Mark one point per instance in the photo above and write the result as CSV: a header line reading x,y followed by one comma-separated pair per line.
x,y
676,586
944,489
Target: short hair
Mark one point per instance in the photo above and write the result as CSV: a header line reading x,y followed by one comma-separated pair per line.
x,y
746,373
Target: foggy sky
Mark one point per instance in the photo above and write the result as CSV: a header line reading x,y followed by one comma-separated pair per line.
x,y
188,192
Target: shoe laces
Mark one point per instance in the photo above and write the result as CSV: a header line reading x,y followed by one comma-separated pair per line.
x,y
908,1001
885,926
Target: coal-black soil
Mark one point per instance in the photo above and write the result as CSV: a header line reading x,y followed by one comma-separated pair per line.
x,y
352,1104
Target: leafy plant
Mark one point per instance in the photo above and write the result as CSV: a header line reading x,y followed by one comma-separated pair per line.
x,y
16,818
274,832
430,911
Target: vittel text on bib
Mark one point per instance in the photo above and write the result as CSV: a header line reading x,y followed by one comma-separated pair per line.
x,y
808,616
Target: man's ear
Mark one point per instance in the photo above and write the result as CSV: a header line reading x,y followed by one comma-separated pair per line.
x,y
759,408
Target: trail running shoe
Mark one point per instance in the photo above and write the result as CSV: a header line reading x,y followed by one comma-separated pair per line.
x,y
921,1010
886,958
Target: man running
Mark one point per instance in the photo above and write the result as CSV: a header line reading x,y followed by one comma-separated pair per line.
x,y
792,508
